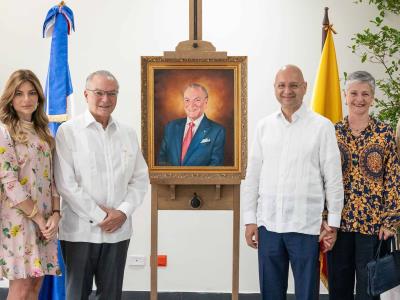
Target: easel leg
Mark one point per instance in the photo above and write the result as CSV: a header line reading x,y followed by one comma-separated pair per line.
x,y
236,231
154,240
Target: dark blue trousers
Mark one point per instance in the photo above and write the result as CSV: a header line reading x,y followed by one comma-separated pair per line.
x,y
275,251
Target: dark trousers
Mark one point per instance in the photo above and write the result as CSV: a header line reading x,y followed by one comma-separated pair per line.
x,y
275,251
105,262
347,263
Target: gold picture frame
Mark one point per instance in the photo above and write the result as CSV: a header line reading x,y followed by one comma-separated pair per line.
x,y
163,82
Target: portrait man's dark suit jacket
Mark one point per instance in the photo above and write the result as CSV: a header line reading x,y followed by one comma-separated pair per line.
x,y
205,149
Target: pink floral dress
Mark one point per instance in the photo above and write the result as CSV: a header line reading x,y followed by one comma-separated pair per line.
x,y
25,172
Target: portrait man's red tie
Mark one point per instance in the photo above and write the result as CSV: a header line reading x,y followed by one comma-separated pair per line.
x,y
186,140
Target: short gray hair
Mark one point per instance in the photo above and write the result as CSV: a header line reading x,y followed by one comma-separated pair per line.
x,y
195,85
361,77
103,73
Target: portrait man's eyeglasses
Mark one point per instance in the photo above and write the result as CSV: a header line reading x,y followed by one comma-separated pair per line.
x,y
195,100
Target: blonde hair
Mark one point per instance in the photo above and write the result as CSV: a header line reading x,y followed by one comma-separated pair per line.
x,y
9,117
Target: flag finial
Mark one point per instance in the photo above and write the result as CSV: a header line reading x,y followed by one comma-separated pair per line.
x,y
62,3
325,27
326,17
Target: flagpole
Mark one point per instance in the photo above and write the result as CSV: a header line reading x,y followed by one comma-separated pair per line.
x,y
322,260
325,24
327,101
58,23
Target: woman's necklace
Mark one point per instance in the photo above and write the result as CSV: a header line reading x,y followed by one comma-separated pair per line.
x,y
357,130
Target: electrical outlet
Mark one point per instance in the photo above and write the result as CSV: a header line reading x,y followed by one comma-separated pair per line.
x,y
136,260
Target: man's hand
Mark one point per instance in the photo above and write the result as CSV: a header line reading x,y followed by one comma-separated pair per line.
x,y
251,235
328,237
113,221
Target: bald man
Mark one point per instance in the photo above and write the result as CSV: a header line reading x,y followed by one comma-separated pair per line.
x,y
293,167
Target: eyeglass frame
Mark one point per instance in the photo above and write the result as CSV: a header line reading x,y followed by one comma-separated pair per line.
x,y
111,94
195,100
292,85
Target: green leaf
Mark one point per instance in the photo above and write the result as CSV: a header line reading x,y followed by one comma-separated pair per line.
x,y
381,46
363,58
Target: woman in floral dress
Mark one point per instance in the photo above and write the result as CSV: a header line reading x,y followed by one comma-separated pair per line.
x,y
30,205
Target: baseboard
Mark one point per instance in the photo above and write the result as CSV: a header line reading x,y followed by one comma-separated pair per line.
x,y
130,295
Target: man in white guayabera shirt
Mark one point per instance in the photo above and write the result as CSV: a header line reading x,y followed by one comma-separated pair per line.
x,y
102,178
294,166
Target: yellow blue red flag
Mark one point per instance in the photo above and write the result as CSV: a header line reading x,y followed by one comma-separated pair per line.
x,y
326,98
327,102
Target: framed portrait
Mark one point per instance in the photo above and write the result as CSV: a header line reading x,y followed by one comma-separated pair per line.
x,y
194,119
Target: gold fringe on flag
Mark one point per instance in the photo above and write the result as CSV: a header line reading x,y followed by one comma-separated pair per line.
x,y
58,118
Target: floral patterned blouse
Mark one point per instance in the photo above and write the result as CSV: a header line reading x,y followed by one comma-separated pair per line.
x,y
25,172
371,177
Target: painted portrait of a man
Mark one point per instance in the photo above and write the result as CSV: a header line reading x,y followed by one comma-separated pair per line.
x,y
194,114
194,140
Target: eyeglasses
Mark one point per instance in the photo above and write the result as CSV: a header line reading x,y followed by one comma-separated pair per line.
x,y
291,85
195,100
101,93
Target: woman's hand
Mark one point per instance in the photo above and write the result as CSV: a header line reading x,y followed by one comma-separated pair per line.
x,y
328,237
40,221
51,226
385,233
41,224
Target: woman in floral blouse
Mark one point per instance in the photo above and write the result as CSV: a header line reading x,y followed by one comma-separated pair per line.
x,y
371,178
30,205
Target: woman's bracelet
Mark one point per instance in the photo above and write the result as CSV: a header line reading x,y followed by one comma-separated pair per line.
x,y
33,212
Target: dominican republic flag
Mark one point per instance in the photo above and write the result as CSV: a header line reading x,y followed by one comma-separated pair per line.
x,y
58,91
58,24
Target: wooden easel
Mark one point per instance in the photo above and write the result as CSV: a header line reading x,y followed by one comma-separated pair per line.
x,y
176,194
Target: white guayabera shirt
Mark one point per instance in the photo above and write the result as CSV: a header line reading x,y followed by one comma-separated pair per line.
x,y
93,167
292,168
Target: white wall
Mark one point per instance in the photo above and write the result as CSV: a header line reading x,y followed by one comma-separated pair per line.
x,y
114,34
